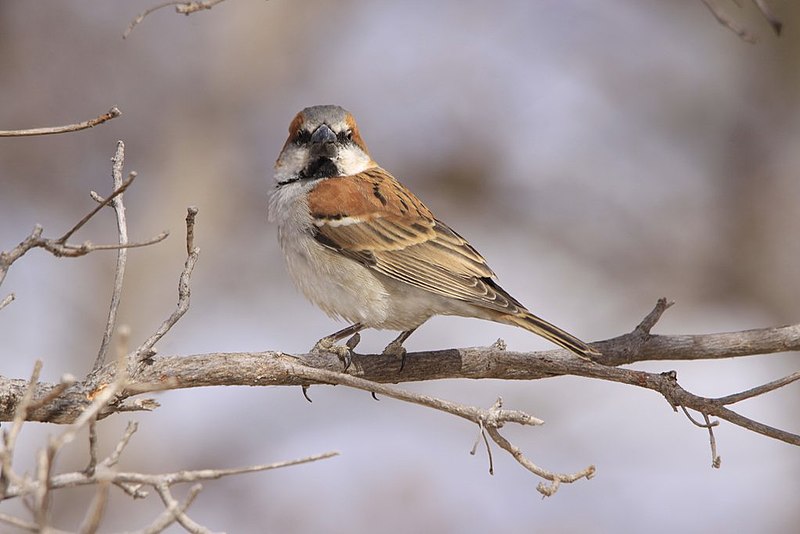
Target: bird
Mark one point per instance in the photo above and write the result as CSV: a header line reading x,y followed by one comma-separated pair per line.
x,y
363,248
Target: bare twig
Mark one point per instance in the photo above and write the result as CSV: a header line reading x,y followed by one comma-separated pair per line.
x,y
759,390
94,514
118,190
709,425
482,435
191,216
716,460
145,350
27,525
742,32
177,511
168,516
113,458
103,475
729,23
695,422
9,440
59,246
57,391
122,254
41,490
470,413
554,479
80,478
111,114
490,420
768,14
92,448
8,299
181,7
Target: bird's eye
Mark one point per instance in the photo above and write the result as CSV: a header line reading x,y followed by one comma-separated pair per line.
x,y
346,135
302,137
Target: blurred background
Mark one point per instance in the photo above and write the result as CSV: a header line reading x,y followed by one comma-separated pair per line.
x,y
600,155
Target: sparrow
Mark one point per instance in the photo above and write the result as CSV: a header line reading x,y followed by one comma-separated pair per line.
x,y
364,248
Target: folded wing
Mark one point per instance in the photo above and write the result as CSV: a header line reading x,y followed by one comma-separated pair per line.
x,y
375,220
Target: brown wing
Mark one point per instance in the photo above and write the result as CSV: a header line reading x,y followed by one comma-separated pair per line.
x,y
375,220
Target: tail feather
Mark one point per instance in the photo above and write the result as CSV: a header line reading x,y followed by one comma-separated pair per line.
x,y
539,326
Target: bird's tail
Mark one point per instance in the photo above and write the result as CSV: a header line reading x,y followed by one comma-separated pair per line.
x,y
538,326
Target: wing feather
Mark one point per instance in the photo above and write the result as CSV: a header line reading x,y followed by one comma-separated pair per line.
x,y
375,220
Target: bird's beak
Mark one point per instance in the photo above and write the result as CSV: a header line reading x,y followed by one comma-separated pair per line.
x,y
323,135
323,142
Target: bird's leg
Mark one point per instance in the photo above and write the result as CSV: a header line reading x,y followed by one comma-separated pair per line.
x,y
396,349
344,352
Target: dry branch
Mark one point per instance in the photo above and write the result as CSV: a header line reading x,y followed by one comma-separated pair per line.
x,y
723,18
38,488
111,114
271,368
182,7
59,247
103,474
122,253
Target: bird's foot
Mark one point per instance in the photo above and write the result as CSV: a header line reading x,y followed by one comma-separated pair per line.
x,y
344,352
396,349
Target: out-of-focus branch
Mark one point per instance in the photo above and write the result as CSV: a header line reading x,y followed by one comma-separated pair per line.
x,y
80,478
723,18
8,299
182,7
768,14
111,114
60,248
103,474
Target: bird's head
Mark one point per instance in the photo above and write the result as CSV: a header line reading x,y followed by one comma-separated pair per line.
x,y
323,142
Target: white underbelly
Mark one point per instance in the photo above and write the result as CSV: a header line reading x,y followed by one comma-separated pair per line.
x,y
341,287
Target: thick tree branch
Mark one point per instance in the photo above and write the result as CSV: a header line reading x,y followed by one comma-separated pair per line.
x,y
279,369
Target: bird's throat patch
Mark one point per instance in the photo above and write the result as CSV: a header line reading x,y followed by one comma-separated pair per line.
x,y
321,168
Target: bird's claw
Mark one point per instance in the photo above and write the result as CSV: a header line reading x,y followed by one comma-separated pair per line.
x,y
397,350
344,352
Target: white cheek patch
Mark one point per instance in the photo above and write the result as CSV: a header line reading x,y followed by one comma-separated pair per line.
x,y
352,160
290,163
